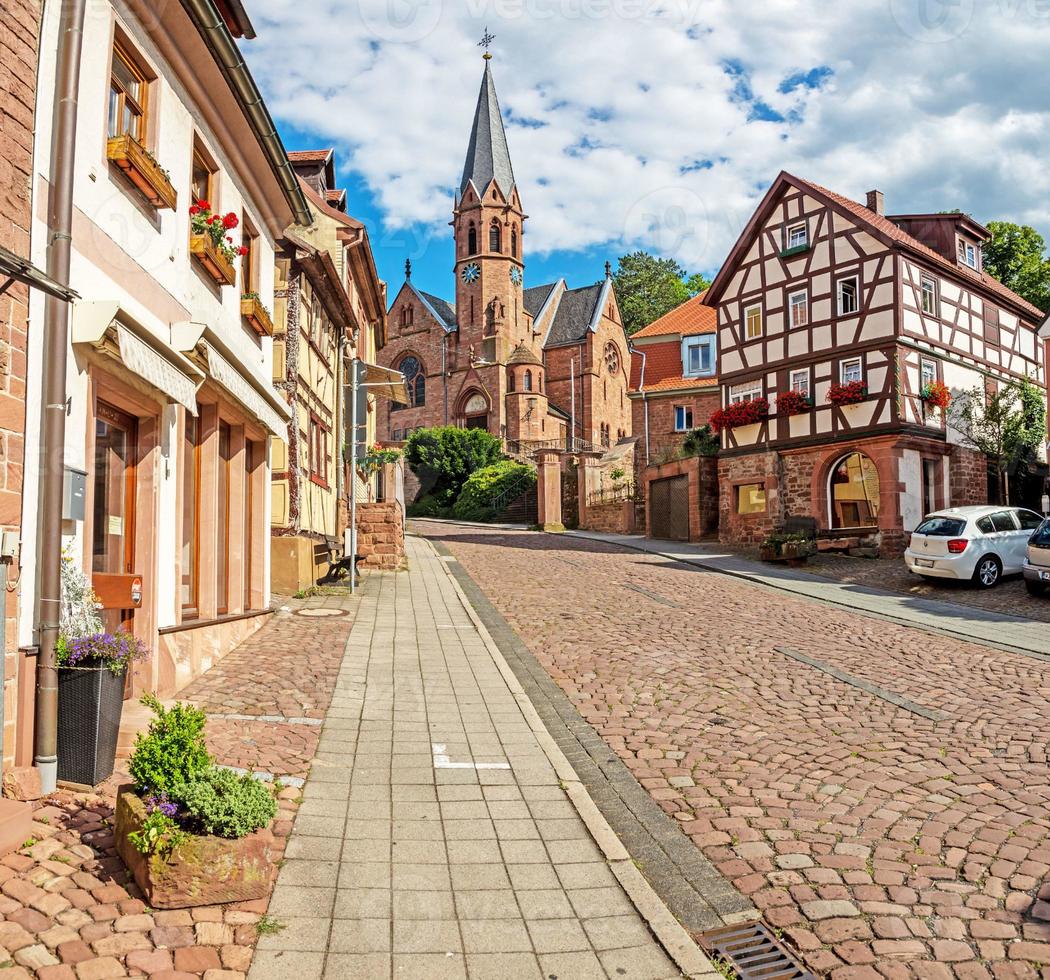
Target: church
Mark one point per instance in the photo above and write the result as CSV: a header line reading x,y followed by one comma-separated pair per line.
x,y
540,366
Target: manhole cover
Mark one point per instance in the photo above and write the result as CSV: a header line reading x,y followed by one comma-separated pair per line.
x,y
320,613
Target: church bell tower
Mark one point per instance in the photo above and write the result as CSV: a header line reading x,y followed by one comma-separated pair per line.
x,y
487,223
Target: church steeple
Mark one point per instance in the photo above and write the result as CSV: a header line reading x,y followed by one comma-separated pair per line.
x,y
488,157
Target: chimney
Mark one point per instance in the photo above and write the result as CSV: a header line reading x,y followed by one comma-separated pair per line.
x,y
876,202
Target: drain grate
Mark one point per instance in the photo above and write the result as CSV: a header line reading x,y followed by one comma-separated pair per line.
x,y
753,952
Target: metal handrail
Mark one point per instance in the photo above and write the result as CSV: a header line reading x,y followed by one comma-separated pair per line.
x,y
502,500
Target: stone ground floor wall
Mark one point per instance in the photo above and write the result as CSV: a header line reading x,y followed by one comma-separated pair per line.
x,y
702,473
615,517
968,474
796,487
381,536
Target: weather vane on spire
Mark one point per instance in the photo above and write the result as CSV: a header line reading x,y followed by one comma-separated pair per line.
x,y
485,42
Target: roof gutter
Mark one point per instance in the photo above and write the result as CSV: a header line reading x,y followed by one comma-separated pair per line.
x,y
217,37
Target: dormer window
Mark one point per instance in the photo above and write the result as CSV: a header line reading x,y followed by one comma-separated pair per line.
x,y
798,236
969,254
698,356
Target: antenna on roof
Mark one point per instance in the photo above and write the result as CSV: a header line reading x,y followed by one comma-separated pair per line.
x,y
486,42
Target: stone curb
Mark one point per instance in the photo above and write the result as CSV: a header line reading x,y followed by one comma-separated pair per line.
x,y
678,944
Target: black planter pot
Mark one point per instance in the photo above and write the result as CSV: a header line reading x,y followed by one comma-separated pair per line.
x,y
90,700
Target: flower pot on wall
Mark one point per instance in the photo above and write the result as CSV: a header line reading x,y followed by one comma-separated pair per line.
x,y
211,259
90,701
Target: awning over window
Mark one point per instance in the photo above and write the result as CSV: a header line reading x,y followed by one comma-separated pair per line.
x,y
237,385
158,371
385,382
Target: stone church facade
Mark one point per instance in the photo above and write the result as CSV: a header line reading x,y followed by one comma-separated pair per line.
x,y
539,366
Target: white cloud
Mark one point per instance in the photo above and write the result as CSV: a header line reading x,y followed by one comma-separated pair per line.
x,y
627,129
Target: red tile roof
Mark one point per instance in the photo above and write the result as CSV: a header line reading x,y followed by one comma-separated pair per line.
x,y
663,369
310,156
692,317
896,234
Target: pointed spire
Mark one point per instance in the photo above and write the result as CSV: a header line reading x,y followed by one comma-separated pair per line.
x,y
408,269
608,270
487,155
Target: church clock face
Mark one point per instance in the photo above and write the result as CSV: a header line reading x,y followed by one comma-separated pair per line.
x,y
515,275
471,272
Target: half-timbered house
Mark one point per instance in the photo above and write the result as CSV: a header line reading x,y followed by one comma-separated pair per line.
x,y
839,325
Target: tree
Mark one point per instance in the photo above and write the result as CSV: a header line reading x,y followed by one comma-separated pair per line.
x,y
1015,256
647,287
1007,426
443,457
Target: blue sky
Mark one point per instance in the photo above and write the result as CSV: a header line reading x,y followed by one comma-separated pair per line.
x,y
659,124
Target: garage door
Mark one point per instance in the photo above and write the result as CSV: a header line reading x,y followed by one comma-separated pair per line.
x,y
669,508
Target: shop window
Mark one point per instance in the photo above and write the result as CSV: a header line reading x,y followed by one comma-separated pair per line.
x,y
854,492
222,521
191,508
251,454
751,498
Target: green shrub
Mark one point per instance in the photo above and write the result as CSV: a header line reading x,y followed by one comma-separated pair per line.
x,y
225,804
483,485
428,506
702,442
442,458
172,750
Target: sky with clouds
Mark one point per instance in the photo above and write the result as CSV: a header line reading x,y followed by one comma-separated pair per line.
x,y
658,124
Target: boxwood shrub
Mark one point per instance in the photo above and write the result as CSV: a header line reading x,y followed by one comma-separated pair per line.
x,y
483,485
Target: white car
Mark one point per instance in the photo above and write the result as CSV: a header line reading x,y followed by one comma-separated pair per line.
x,y
978,543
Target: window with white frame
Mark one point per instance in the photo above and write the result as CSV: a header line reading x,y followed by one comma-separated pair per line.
x,y
929,295
753,321
798,303
698,356
798,236
849,296
800,381
928,370
746,391
852,369
969,254
683,418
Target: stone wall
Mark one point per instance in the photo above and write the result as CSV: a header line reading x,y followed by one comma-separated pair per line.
x,y
380,536
967,477
702,473
612,518
18,51
735,471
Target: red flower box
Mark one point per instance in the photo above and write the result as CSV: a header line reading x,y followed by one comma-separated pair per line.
x,y
793,402
937,394
739,413
848,393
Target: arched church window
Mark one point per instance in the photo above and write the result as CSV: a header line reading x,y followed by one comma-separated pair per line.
x,y
495,238
472,239
416,381
510,381
514,242
528,381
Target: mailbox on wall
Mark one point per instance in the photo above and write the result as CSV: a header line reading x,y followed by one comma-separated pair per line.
x,y
74,489
118,591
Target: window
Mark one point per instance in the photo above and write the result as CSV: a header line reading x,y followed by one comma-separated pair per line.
x,y
318,451
797,236
985,526
514,241
931,471
745,392
249,518
929,295
854,492
849,296
683,418
203,178
751,498
753,322
969,254
1042,536
800,381
191,489
612,358
698,356
250,241
852,369
991,324
798,303
222,520
527,381
408,315
495,237
928,371
128,88
416,381
1028,520
472,239
941,527
1003,521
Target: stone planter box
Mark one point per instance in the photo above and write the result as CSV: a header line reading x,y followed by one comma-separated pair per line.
x,y
792,552
208,256
142,170
203,871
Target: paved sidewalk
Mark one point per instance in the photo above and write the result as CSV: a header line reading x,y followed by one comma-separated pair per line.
x,y
975,625
442,834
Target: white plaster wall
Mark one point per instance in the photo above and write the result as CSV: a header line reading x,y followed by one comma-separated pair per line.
x,y
910,472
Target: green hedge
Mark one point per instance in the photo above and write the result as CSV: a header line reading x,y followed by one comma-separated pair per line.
x,y
475,499
443,458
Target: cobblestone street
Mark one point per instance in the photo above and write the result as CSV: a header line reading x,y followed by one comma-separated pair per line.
x,y
878,791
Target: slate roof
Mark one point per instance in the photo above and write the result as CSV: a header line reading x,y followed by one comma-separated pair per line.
x,y
685,320
574,315
488,156
535,296
445,311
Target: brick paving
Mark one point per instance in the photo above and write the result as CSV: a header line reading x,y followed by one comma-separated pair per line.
x,y
405,865
880,842
1009,598
68,909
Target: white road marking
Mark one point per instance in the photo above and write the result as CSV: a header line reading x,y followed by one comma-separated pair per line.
x,y
441,760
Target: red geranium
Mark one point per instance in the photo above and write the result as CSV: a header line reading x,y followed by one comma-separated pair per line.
x,y
243,250
204,205
214,226
937,394
195,209
230,221
739,413
848,393
793,402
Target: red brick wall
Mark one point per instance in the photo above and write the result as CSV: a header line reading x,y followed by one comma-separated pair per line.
x,y
18,53
664,442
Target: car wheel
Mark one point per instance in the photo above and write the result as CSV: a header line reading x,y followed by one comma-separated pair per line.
x,y
988,572
1034,588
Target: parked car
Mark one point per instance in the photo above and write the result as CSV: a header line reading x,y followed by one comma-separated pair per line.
x,y
978,543
1037,562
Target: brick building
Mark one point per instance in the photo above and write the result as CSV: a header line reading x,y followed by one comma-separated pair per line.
x,y
857,313
540,365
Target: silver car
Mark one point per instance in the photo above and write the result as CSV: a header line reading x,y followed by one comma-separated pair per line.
x,y
1037,562
978,543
